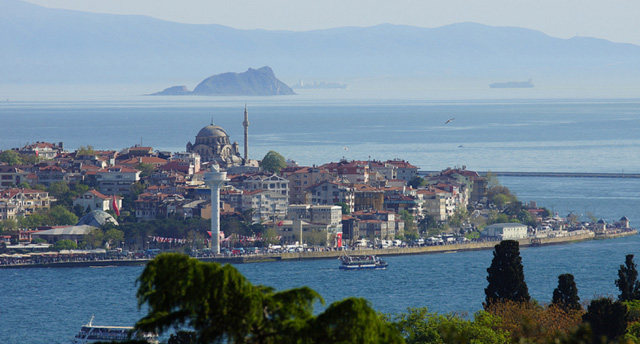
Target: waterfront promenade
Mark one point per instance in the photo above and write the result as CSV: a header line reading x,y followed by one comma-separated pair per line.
x,y
332,254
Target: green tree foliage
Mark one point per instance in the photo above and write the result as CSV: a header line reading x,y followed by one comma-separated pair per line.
x,y
182,337
410,226
64,245
93,239
85,151
65,193
136,189
352,320
607,318
58,190
114,237
417,182
458,217
273,162
565,295
345,208
145,169
627,280
429,225
418,326
221,305
506,275
62,216
11,157
8,225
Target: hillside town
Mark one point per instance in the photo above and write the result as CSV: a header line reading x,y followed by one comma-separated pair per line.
x,y
139,200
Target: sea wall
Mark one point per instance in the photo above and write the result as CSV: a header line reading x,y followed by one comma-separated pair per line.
x,y
394,251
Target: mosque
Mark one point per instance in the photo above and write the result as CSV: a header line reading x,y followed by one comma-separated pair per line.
x,y
213,145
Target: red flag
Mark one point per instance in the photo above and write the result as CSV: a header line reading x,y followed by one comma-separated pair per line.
x,y
280,223
114,205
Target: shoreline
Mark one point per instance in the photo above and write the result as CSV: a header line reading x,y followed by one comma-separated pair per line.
x,y
274,257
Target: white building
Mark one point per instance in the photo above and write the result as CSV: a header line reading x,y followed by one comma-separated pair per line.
x,y
94,200
117,180
506,231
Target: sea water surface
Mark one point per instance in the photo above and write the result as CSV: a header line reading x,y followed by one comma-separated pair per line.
x,y
50,305
497,135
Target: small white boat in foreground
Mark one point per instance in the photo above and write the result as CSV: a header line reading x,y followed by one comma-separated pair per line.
x,y
90,333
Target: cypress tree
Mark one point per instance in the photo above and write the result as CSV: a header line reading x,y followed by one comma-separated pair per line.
x,y
506,275
566,294
607,318
627,280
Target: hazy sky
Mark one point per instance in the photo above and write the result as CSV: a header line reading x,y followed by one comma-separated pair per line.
x,y
615,20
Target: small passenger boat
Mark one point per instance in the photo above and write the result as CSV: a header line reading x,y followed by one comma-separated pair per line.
x,y
90,333
362,262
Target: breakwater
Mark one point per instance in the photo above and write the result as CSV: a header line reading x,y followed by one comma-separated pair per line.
x,y
550,174
393,251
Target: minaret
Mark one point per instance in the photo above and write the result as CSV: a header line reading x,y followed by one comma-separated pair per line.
x,y
246,135
215,179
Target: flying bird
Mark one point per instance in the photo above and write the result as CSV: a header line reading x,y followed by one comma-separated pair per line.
x,y
345,148
449,120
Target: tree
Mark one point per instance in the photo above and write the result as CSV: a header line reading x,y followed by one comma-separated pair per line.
x,y
352,320
182,337
410,227
627,280
93,239
417,182
506,275
145,169
85,151
607,318
62,216
273,162
345,208
221,305
531,322
565,295
65,244
113,236
11,157
419,326
136,189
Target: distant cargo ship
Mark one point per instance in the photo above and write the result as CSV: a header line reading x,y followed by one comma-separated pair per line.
x,y
319,85
513,84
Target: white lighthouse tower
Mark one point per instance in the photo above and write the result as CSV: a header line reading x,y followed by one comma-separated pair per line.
x,y
215,179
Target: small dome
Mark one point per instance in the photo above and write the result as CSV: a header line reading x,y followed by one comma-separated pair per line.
x,y
97,218
212,131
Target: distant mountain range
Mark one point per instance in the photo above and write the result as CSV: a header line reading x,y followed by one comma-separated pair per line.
x,y
42,45
253,82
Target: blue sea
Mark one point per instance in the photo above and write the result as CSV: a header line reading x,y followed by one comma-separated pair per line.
x,y
50,305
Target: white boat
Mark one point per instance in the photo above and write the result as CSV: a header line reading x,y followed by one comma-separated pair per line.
x,y
90,333
362,262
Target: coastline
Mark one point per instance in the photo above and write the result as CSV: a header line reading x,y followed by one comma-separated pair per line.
x,y
273,257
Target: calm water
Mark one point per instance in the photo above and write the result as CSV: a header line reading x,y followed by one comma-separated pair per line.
x,y
536,135
49,305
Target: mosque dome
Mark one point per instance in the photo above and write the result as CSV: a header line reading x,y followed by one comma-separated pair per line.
x,y
212,131
97,218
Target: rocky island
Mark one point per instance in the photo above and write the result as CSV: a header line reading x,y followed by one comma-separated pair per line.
x,y
253,82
